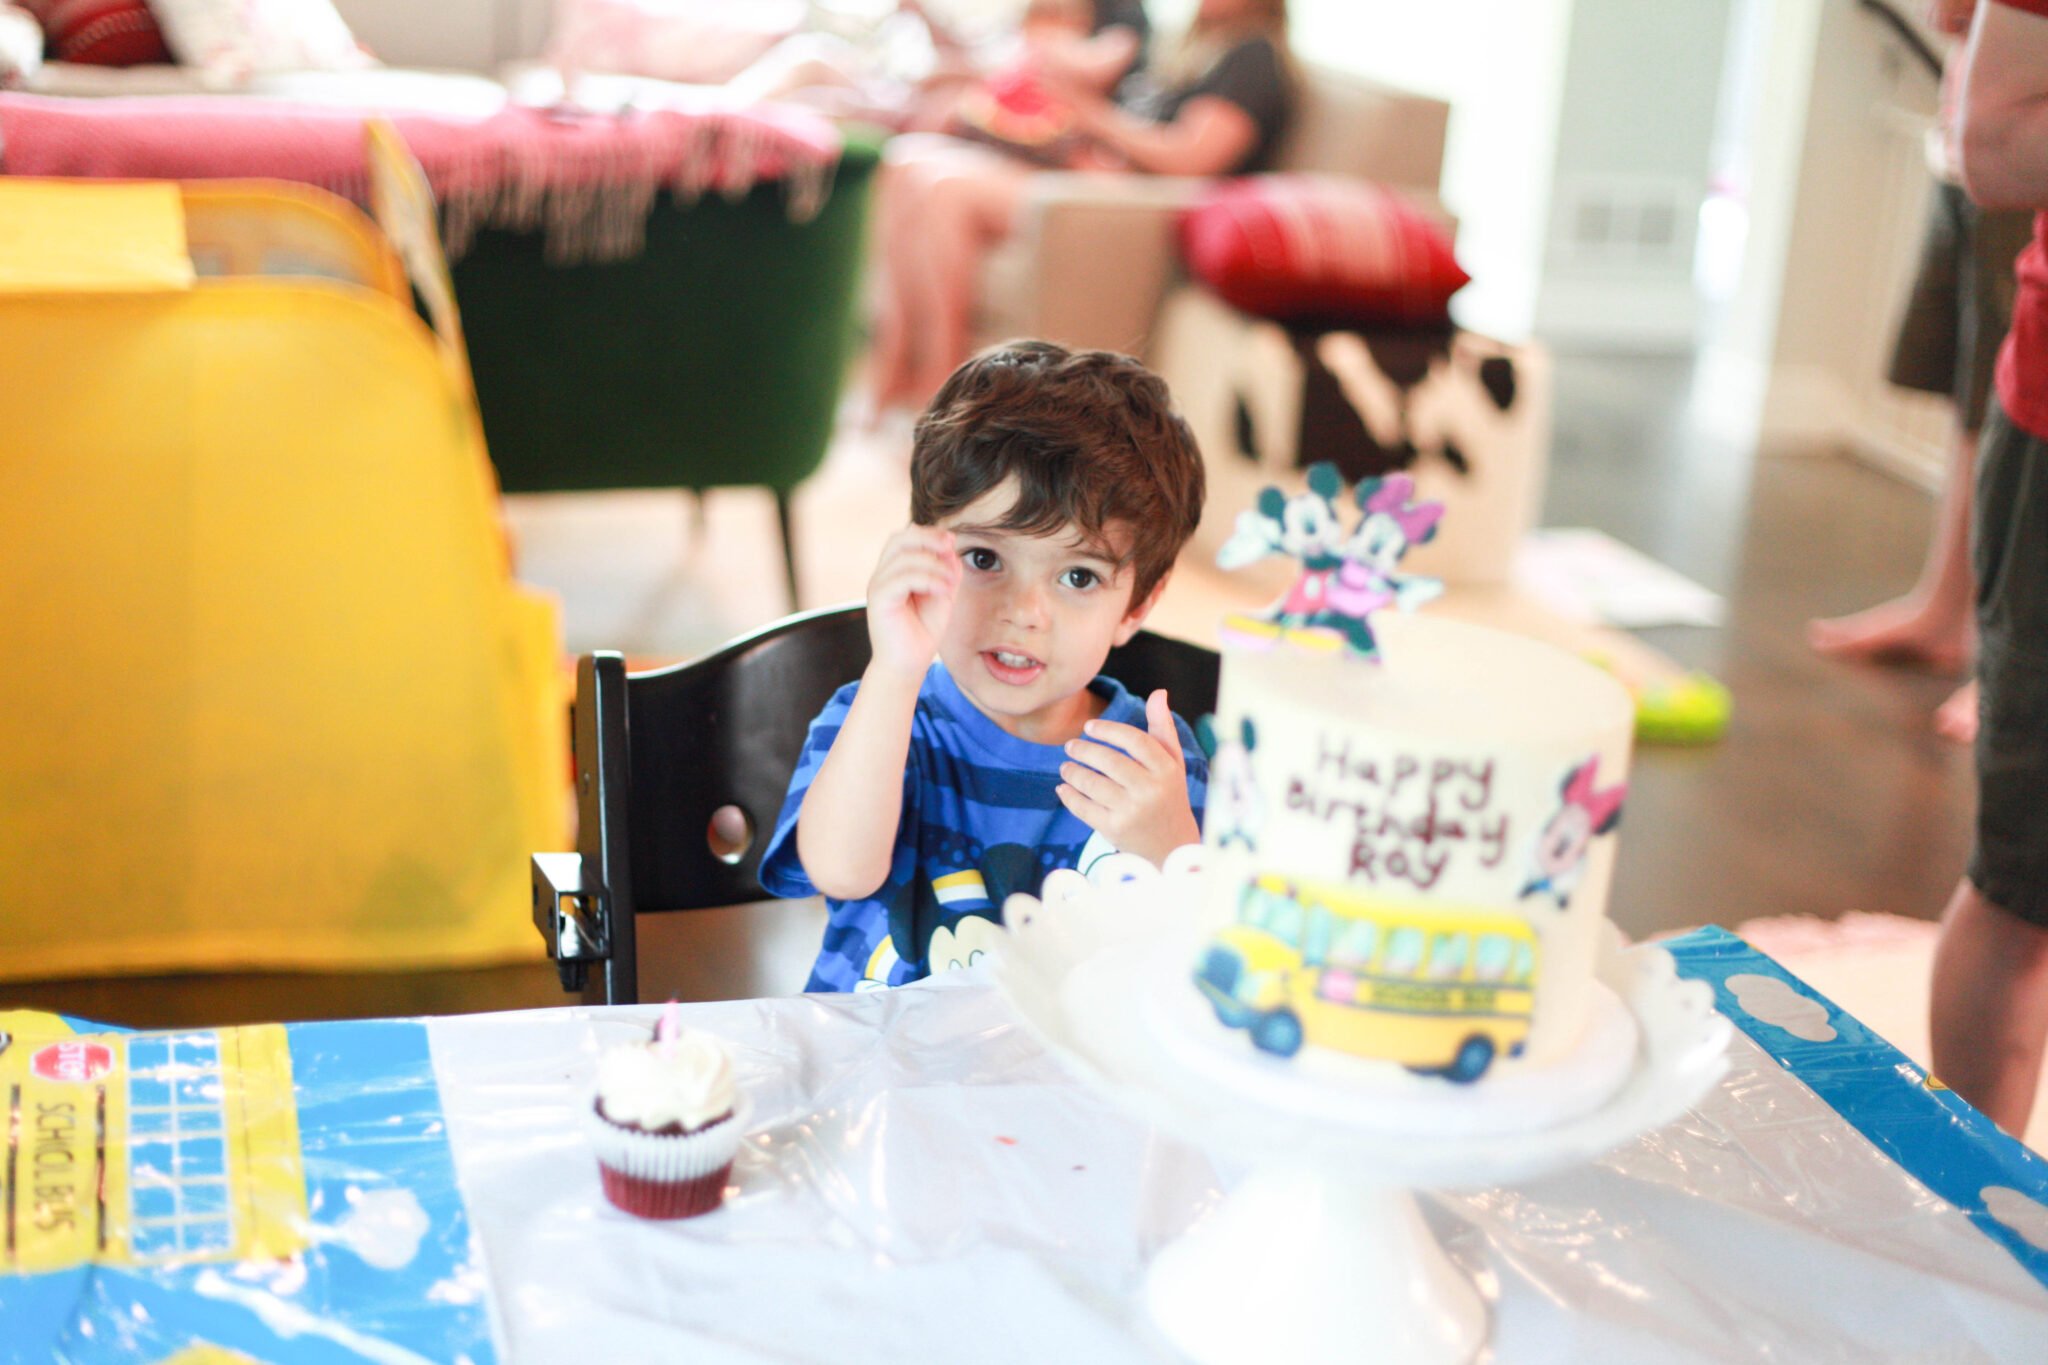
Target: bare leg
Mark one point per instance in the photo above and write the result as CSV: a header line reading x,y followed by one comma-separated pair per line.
x,y
971,207
1990,1007
942,285
803,61
1932,623
951,201
889,350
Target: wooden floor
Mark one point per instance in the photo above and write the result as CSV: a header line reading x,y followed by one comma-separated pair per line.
x,y
1829,793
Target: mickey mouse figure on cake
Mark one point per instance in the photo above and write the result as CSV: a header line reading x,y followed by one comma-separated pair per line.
x,y
1410,831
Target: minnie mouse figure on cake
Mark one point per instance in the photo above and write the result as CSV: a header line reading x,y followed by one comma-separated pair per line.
x,y
1344,577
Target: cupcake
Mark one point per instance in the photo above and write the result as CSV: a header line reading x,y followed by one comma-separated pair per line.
x,y
666,1122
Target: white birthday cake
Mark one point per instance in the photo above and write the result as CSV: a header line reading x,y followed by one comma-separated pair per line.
x,y
1411,860
1409,837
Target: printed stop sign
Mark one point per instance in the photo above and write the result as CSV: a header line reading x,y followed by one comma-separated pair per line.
x,y
73,1061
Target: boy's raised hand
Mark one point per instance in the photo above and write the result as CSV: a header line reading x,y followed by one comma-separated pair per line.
x,y
1132,784
910,598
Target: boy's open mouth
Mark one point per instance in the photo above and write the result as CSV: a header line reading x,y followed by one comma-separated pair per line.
x,y
1011,667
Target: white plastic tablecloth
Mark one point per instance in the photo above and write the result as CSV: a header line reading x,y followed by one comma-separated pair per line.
x,y
922,1182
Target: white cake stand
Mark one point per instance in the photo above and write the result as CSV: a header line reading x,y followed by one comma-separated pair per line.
x,y
1321,1252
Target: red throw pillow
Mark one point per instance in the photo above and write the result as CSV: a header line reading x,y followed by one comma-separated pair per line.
x,y
99,32
1337,252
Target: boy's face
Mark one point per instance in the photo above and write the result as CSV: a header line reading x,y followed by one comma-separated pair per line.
x,y
1034,618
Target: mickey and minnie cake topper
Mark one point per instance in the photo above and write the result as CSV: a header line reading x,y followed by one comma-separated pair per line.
x,y
1346,575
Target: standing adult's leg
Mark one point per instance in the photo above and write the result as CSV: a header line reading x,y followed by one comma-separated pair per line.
x,y
1990,986
1996,239
1930,622
1990,1007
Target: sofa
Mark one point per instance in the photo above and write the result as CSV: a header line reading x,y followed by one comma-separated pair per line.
x,y
1095,262
1093,257
711,358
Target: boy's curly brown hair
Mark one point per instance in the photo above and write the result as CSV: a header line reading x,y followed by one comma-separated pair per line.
x,y
1091,438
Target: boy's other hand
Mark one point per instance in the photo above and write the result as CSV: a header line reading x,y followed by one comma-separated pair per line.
x,y
1132,784
910,598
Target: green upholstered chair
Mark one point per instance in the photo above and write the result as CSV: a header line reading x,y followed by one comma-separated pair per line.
x,y
713,359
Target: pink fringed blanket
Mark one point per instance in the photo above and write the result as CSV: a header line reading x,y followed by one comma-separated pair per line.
x,y
589,180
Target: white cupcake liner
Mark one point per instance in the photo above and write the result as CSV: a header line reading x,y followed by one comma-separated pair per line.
x,y
674,1157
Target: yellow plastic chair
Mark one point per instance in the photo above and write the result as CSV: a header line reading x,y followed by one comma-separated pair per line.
x,y
272,698
271,228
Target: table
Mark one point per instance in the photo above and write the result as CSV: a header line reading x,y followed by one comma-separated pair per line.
x,y
924,1182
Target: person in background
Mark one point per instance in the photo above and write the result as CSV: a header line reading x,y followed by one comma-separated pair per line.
x,y
1948,342
1218,105
1016,107
1990,985
911,68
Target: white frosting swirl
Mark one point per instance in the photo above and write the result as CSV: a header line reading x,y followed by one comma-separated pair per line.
x,y
651,1085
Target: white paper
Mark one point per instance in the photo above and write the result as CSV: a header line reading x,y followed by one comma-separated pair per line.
x,y
1587,575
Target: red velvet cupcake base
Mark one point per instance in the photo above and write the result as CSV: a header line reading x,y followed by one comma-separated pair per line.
x,y
645,1198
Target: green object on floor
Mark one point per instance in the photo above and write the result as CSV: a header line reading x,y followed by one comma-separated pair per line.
x,y
1690,710
1693,709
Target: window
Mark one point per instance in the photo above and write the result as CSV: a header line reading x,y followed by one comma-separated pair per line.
x,y
1355,942
1404,953
1315,944
1493,957
1262,909
1447,956
1285,921
1525,961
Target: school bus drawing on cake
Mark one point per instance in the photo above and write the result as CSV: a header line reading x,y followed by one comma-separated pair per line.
x,y
1440,990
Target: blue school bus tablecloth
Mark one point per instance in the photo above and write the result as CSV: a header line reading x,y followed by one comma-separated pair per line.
x,y
924,1182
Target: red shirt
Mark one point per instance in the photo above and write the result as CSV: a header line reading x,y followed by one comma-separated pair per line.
x,y
2022,374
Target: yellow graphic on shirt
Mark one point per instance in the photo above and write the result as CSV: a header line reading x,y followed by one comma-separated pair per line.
x,y
146,1148
955,887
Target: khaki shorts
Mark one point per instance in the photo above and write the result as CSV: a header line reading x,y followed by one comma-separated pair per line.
x,y
1961,303
2009,547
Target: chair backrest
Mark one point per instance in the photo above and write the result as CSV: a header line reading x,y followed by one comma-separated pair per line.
x,y
1347,125
727,730
737,389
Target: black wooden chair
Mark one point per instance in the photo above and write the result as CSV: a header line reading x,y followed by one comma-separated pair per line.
x,y
660,754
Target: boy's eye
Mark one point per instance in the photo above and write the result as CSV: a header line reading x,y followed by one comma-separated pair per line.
x,y
1082,578
980,559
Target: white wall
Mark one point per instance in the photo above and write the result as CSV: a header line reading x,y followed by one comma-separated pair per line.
x,y
1636,122
1553,103
1833,191
473,35
1500,64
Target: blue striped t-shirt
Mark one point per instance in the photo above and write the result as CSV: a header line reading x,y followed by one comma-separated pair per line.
x,y
979,822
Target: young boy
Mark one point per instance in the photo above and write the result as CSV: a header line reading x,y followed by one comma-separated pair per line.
x,y
1050,492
